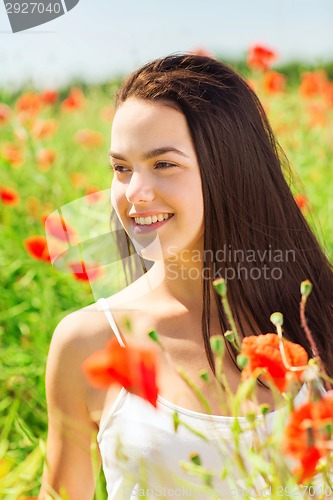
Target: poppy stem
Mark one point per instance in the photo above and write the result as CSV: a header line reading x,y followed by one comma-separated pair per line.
x,y
181,373
283,353
306,328
193,430
223,382
232,323
220,286
189,382
327,472
311,341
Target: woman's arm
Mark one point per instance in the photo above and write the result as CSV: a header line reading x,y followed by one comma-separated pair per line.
x,y
71,432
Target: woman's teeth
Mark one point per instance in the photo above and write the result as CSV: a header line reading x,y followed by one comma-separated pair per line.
x,y
146,221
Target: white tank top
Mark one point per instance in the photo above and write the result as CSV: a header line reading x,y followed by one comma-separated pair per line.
x,y
142,454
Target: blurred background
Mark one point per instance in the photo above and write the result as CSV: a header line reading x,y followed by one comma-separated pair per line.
x,y
57,88
96,41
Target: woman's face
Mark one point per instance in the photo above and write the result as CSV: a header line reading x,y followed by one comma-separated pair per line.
x,y
156,190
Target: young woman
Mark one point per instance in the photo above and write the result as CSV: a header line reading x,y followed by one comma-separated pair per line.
x,y
198,188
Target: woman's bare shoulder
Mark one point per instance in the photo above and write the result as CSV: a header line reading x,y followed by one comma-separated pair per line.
x,y
87,329
79,325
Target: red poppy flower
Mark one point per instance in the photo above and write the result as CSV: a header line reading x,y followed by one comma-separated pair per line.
x,y
85,271
308,465
13,154
28,103
263,352
260,57
45,159
274,82
36,246
133,367
89,138
307,434
58,227
74,100
301,200
313,83
8,196
49,96
5,113
42,129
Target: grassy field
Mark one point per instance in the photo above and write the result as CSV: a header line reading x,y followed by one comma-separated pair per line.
x,y
53,150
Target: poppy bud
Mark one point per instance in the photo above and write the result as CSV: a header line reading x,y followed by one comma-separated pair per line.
x,y
217,344
306,288
153,335
220,287
277,319
195,458
204,375
264,408
229,335
242,361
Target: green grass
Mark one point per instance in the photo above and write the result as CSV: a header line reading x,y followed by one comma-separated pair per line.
x,y
35,296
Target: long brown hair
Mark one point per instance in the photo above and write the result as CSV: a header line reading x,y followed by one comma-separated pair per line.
x,y
250,211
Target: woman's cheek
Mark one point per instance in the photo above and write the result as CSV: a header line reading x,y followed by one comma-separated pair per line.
x,y
116,201
118,194
113,197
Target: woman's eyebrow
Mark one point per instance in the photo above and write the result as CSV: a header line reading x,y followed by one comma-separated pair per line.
x,y
150,154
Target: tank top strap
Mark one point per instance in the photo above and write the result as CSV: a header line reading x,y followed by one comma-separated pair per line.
x,y
103,305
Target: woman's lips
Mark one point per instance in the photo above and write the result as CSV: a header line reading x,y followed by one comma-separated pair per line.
x,y
147,228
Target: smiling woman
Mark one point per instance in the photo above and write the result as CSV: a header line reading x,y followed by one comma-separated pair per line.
x,y
198,188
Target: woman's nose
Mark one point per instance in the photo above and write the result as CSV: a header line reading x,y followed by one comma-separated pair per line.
x,y
140,188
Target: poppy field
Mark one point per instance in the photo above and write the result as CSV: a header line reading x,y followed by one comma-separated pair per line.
x,y
54,150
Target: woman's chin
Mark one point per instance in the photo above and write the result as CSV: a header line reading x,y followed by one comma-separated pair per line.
x,y
148,248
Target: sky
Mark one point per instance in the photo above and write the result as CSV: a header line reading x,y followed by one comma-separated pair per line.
x,y
99,39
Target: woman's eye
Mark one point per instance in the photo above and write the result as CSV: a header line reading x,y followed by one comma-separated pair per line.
x,y
164,164
120,168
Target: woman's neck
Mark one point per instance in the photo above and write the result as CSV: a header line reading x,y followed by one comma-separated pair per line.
x,y
178,280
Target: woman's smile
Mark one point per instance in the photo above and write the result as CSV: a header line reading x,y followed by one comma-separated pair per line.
x,y
144,224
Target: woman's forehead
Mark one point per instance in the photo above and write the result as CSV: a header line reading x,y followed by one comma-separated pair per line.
x,y
137,110
146,125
